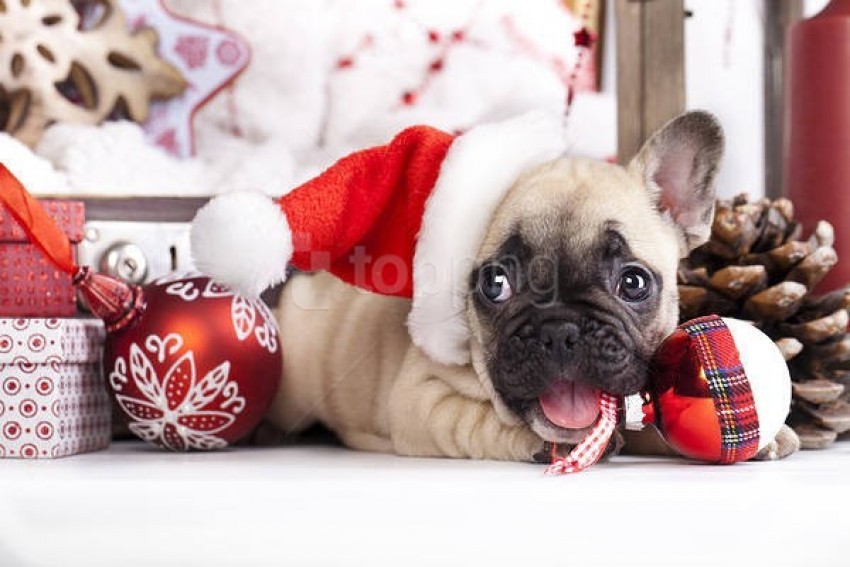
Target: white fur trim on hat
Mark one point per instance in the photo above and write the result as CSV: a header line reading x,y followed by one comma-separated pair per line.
x,y
242,239
479,169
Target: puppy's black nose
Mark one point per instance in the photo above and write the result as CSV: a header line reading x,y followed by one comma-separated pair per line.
x,y
559,337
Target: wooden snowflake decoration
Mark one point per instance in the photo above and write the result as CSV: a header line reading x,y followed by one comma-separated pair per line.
x,y
76,61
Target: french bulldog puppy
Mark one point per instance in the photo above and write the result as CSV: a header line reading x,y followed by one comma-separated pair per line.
x,y
573,289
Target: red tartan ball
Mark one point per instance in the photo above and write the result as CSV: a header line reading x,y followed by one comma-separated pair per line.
x,y
721,390
198,366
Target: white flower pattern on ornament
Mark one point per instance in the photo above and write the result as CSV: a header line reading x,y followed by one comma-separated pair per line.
x,y
176,411
249,316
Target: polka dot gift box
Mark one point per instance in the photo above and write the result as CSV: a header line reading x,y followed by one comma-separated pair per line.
x,y
53,401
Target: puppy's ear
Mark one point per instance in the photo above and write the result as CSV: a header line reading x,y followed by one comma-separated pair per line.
x,y
678,165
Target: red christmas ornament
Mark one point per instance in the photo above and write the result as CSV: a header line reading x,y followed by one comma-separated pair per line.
x,y
192,364
720,390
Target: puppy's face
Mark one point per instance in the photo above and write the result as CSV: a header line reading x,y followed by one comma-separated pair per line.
x,y
575,285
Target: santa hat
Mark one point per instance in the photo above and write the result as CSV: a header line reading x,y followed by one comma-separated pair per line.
x,y
404,219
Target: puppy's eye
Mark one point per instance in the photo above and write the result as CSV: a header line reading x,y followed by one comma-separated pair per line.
x,y
493,283
635,284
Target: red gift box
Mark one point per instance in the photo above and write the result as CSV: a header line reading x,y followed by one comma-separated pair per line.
x,y
53,398
29,285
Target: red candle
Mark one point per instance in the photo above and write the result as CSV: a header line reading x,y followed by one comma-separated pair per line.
x,y
817,144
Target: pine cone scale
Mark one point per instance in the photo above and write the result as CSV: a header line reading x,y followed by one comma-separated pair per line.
x,y
833,415
818,391
812,437
819,330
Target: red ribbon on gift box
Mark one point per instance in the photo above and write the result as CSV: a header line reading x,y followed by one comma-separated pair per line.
x,y
35,222
107,298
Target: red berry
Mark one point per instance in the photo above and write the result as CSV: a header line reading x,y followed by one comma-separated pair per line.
x,y
409,98
583,38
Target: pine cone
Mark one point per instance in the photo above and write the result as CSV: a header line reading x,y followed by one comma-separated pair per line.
x,y
757,267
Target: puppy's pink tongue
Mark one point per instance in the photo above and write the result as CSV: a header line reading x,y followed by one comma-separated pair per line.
x,y
571,405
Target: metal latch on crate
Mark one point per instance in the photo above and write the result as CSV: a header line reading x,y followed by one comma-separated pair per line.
x,y
138,239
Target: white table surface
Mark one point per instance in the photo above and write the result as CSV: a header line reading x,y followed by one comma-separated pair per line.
x,y
325,505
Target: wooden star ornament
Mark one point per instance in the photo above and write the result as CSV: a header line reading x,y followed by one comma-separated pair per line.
x,y
76,61
208,57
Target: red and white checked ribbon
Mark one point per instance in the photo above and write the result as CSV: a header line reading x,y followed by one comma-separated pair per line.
x,y
593,445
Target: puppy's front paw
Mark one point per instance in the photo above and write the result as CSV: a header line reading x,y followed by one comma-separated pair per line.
x,y
547,454
551,452
785,443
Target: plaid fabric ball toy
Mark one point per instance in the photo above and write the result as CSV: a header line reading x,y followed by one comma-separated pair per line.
x,y
719,391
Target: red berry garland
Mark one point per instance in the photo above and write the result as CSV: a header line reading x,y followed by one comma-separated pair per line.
x,y
445,43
